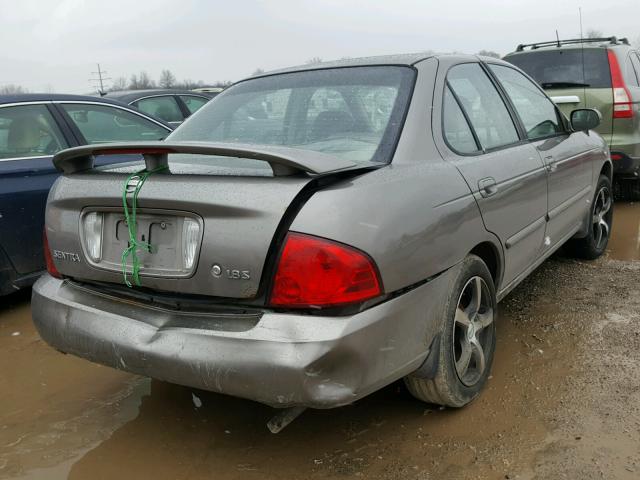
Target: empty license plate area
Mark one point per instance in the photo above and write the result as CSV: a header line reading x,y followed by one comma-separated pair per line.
x,y
165,235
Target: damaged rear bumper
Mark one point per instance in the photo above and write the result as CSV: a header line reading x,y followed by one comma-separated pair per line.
x,y
279,359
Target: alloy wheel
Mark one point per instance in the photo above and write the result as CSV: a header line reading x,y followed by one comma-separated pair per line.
x,y
601,218
472,331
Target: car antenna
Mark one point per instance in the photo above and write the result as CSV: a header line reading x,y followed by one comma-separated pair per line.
x,y
584,89
558,37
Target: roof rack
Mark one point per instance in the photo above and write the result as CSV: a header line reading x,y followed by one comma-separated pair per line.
x,y
559,43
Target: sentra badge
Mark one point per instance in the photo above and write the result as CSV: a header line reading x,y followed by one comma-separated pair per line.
x,y
67,256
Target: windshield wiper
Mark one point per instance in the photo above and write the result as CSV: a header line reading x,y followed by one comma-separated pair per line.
x,y
563,84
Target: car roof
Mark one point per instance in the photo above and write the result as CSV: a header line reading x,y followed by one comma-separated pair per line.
x,y
405,59
52,97
573,44
128,96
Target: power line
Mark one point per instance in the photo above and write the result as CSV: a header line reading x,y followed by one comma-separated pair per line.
x,y
98,79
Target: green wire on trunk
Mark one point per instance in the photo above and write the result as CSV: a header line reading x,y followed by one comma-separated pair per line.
x,y
130,218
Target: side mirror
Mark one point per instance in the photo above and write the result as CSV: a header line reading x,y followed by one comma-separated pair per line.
x,y
585,119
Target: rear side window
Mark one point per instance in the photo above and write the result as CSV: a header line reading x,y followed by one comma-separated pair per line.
x,y
538,114
483,105
193,103
101,123
565,68
29,131
630,76
635,63
456,129
165,108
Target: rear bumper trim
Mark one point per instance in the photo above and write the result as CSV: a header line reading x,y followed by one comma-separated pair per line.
x,y
625,166
283,360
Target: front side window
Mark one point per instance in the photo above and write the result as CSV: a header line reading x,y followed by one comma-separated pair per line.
x,y
193,103
456,129
165,108
483,105
103,123
354,113
29,131
537,112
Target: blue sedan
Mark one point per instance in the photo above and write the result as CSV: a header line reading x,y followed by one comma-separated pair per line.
x,y
33,128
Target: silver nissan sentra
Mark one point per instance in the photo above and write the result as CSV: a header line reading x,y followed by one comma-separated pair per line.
x,y
316,233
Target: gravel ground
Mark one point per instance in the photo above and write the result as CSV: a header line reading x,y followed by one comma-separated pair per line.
x,y
563,402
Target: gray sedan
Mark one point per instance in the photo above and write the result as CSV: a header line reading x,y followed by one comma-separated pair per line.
x,y
316,233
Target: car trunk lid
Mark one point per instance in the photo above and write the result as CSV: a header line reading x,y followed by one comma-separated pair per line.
x,y
238,212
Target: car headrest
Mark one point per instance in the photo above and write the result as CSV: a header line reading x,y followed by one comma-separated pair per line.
x,y
329,123
165,113
24,135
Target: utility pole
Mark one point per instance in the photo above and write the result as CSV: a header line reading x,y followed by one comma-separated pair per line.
x,y
99,79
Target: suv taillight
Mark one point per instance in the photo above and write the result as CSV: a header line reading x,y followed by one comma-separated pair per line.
x,y
51,267
315,272
622,106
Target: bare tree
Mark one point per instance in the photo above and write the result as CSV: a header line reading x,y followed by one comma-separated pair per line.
x,y
488,53
593,33
133,82
314,60
145,80
11,89
140,81
119,83
167,79
189,84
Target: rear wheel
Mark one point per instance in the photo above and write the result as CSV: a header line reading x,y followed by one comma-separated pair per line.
x,y
600,219
467,340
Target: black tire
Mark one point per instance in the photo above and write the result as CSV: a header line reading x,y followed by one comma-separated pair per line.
x,y
448,387
600,221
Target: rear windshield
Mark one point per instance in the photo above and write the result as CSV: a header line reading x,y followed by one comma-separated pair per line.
x,y
355,113
565,68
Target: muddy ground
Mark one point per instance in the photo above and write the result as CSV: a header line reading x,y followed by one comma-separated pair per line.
x,y
563,402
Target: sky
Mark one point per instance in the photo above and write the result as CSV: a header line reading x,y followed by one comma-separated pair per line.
x,y
54,45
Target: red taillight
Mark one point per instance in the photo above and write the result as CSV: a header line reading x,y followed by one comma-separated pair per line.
x,y
315,272
622,106
616,156
51,267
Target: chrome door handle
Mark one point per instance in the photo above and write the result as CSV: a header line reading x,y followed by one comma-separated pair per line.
x,y
487,187
550,165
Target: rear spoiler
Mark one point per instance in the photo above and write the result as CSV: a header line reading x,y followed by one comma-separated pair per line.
x,y
283,160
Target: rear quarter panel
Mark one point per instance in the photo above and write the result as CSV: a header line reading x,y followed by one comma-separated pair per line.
x,y
416,217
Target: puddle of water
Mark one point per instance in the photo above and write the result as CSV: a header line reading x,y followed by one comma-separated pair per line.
x,y
53,407
624,243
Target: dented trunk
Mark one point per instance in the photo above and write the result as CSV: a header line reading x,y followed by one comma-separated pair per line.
x,y
231,221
